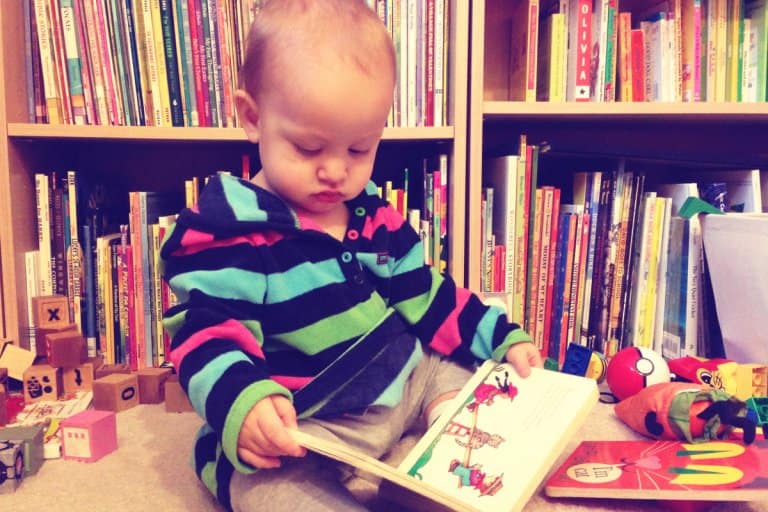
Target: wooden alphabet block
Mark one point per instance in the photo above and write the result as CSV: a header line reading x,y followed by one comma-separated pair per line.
x,y
32,437
109,369
116,392
79,378
50,311
175,398
11,465
65,349
15,359
42,382
89,435
152,384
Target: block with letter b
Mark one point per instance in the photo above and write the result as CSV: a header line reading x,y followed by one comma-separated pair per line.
x,y
51,311
116,392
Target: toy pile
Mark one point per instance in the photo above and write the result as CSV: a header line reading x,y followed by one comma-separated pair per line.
x,y
63,404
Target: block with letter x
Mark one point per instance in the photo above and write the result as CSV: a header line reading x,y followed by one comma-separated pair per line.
x,y
50,311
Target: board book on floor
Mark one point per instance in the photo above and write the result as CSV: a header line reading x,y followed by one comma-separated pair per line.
x,y
724,470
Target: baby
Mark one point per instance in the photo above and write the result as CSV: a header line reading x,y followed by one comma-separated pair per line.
x,y
304,299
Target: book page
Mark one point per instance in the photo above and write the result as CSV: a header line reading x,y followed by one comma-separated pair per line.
x,y
504,434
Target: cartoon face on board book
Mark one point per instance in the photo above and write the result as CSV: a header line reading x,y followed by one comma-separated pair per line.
x,y
685,411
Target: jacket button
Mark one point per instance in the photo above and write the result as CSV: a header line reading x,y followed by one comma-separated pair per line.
x,y
346,257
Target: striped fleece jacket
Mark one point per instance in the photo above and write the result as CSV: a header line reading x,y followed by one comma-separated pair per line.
x,y
271,304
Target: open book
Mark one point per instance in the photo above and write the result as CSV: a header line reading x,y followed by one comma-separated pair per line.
x,y
492,447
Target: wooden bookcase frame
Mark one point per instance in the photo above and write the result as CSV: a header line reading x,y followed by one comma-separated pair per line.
x,y
672,134
27,148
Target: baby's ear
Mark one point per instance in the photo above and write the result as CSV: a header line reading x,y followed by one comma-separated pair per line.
x,y
248,114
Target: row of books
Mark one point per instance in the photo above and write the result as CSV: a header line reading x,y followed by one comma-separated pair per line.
x,y
662,50
420,30
615,266
100,247
176,62
429,216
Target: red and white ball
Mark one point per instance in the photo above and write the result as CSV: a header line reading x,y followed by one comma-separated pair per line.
x,y
633,368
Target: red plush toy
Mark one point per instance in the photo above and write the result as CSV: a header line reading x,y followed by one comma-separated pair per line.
x,y
686,411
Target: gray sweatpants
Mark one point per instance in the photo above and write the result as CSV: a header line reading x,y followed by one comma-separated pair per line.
x,y
313,483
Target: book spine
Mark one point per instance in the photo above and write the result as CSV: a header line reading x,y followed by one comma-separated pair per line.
x,y
217,41
638,65
521,233
570,284
32,283
579,50
119,61
559,314
89,94
545,258
60,60
554,247
53,100
58,245
75,261
201,68
44,233
532,45
611,51
114,93
224,30
76,94
97,67
625,56
28,62
162,71
441,20
171,63
534,265
89,292
599,42
209,63
187,57
147,48
137,64
429,86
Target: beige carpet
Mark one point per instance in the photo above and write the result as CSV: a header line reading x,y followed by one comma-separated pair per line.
x,y
150,472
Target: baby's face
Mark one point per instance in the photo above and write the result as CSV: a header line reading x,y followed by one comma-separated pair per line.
x,y
318,134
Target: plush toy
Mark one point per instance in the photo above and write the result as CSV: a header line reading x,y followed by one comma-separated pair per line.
x,y
685,411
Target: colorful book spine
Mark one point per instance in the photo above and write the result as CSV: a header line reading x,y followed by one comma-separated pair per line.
x,y
168,30
579,50
77,97
75,260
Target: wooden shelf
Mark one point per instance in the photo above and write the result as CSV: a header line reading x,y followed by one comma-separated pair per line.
x,y
622,112
151,133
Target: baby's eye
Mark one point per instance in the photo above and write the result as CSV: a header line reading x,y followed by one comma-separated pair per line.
x,y
354,151
307,151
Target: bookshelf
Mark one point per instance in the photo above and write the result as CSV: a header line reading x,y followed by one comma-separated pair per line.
x,y
654,137
160,158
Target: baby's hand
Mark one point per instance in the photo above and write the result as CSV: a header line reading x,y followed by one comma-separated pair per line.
x,y
264,436
523,356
